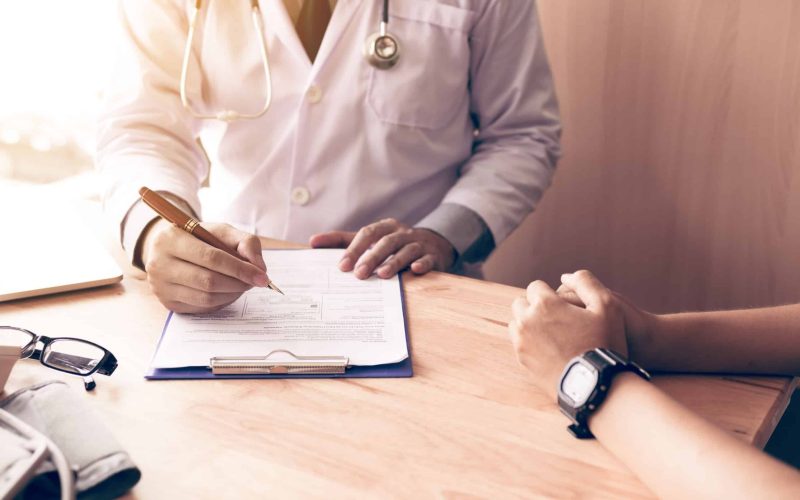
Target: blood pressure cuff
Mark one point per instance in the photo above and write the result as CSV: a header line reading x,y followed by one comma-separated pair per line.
x,y
103,469
19,455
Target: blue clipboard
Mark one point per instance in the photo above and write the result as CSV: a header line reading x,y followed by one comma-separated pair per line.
x,y
402,369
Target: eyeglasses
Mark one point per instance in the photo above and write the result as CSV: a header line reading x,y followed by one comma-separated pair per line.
x,y
65,354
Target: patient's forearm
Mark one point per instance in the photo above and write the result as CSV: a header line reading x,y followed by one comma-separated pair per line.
x,y
677,454
751,341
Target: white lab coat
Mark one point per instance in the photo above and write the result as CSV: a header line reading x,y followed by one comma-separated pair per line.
x,y
468,115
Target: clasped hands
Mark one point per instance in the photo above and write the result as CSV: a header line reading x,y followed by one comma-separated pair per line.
x,y
189,276
550,327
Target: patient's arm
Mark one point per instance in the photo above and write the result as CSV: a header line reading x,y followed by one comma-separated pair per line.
x,y
678,454
751,341
673,451
763,340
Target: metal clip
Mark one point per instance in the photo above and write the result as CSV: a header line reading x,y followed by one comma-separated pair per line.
x,y
280,362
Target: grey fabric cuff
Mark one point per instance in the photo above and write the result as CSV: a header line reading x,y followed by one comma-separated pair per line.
x,y
104,469
139,218
464,229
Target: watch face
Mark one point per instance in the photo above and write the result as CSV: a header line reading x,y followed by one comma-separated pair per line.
x,y
579,382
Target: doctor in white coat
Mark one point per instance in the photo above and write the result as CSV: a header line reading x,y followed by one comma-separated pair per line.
x,y
427,164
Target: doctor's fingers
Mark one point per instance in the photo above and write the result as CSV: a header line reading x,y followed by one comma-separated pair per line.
x,y
204,255
400,260
424,264
387,246
183,299
246,244
365,238
332,239
173,270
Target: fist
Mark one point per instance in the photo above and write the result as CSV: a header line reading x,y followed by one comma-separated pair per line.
x,y
547,330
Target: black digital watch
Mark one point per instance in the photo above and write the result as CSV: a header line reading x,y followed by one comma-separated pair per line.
x,y
585,382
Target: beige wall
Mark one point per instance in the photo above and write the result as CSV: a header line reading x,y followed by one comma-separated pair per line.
x,y
680,184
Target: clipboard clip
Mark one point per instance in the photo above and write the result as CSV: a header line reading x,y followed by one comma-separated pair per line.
x,y
279,362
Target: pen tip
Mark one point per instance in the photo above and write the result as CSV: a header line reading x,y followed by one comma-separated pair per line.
x,y
274,287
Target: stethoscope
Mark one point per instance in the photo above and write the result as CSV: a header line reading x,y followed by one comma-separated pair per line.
x,y
381,50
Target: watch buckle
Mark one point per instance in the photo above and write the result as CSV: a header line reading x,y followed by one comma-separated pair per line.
x,y
580,431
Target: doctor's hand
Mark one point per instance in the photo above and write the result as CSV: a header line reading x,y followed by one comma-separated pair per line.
x,y
548,330
389,246
190,276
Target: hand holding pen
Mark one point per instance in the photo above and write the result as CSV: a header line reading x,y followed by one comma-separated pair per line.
x,y
193,268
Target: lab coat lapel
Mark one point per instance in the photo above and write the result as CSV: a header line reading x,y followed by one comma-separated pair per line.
x,y
277,19
342,16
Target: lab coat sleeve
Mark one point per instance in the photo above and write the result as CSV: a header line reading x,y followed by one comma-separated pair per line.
x,y
513,102
145,137
139,218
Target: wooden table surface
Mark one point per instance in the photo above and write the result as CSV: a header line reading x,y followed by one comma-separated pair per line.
x,y
468,424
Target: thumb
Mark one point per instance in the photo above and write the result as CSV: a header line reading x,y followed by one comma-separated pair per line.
x,y
332,239
246,245
569,295
588,289
250,248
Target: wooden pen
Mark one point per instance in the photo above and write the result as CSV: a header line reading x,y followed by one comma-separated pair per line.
x,y
175,215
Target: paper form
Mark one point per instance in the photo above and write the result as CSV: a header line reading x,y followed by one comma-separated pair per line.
x,y
325,312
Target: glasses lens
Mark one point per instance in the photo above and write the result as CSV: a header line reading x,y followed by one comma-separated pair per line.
x,y
72,356
13,340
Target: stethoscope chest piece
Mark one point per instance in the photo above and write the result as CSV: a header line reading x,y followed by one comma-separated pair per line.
x,y
382,50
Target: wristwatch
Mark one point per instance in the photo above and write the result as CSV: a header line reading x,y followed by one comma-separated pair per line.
x,y
585,382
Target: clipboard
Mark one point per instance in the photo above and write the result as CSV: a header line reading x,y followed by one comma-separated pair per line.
x,y
254,367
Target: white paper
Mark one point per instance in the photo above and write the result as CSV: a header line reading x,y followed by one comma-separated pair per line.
x,y
325,312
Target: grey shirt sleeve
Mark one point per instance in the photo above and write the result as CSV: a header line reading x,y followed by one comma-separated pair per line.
x,y
464,229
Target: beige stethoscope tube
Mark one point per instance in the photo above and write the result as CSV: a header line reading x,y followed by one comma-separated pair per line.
x,y
228,115
381,50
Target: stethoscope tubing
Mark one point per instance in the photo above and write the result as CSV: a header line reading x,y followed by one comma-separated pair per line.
x,y
371,52
227,115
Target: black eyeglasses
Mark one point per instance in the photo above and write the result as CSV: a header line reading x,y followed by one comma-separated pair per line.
x,y
65,354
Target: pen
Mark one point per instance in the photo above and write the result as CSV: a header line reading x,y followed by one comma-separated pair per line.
x,y
175,215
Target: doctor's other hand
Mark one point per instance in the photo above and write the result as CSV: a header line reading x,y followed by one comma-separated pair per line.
x,y
190,276
547,330
387,247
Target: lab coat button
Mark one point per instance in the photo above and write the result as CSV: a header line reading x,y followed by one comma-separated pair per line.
x,y
300,196
314,94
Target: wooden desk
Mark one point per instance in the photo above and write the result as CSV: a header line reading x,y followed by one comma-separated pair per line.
x,y
470,422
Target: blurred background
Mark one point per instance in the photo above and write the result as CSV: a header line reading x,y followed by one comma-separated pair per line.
x,y
680,182
54,58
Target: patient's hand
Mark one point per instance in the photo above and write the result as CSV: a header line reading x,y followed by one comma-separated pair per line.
x,y
548,330
640,325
